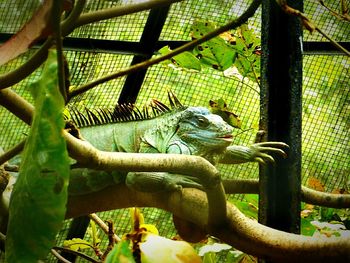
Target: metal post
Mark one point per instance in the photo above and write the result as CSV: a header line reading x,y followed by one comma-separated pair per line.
x,y
281,90
149,38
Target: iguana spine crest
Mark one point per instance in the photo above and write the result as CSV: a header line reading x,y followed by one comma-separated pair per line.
x,y
123,112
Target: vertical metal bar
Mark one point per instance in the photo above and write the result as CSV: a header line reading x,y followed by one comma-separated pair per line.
x,y
149,38
280,184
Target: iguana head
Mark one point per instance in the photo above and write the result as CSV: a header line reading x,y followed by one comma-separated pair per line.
x,y
202,129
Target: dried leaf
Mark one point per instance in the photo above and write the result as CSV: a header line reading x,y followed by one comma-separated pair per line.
x,y
36,28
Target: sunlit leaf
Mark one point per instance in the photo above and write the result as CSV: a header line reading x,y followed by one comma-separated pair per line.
x,y
216,52
185,59
38,202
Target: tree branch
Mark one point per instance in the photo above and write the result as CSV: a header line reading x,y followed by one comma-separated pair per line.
x,y
309,25
117,11
310,196
239,231
231,25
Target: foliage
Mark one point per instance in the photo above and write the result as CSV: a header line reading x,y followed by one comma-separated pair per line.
x,y
38,201
236,54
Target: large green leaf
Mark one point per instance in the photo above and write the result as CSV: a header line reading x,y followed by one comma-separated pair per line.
x,y
214,52
38,201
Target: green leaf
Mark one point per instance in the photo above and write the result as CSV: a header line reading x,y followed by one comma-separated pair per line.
x,y
121,253
307,229
184,60
77,244
38,202
249,205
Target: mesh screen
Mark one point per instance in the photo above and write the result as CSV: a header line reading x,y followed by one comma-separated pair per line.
x,y
326,101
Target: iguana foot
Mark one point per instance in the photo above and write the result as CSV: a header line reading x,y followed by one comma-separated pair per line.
x,y
159,181
257,152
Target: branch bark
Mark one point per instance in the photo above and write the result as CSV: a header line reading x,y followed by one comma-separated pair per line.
x,y
238,231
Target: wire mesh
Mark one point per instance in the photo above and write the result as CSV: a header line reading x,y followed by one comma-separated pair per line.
x,y
326,100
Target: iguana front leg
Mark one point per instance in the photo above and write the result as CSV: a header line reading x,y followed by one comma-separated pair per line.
x,y
257,152
160,181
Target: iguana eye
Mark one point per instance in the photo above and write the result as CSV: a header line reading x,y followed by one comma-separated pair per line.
x,y
202,121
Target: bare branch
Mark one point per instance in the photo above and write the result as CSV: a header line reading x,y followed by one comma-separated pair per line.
x,y
231,25
4,157
117,11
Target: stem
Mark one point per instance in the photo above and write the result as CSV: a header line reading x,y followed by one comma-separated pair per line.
x,y
103,226
20,73
84,256
57,35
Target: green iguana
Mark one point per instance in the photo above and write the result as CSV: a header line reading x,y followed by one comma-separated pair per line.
x,y
179,130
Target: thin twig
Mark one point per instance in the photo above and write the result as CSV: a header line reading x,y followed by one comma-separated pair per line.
x,y
77,253
103,226
117,11
57,35
344,16
59,257
231,25
309,25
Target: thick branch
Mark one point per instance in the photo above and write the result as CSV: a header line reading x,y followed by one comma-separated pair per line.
x,y
89,156
239,231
